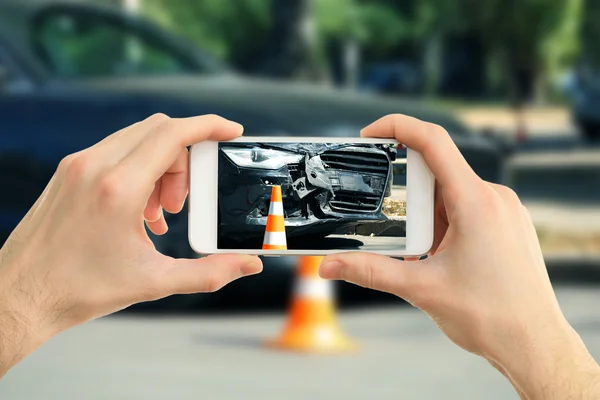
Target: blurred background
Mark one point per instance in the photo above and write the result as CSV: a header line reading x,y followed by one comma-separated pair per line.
x,y
515,82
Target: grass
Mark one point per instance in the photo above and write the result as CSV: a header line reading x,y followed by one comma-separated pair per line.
x,y
394,208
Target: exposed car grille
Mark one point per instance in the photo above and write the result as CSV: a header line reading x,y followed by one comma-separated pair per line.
x,y
351,161
351,202
374,168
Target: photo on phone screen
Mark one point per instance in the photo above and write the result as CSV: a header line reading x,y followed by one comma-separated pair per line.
x,y
332,196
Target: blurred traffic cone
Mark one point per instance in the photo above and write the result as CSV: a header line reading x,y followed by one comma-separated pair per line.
x,y
521,130
275,231
312,324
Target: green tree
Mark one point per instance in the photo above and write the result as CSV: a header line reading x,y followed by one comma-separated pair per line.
x,y
532,38
231,30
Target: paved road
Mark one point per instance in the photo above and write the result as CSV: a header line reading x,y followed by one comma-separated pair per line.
x,y
367,243
402,355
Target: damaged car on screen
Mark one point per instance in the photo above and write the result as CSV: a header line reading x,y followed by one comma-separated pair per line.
x,y
326,188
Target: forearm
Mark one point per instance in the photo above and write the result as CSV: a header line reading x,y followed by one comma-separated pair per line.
x,y
503,372
12,338
559,369
19,336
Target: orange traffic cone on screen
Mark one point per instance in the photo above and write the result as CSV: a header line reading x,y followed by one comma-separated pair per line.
x,y
312,325
275,232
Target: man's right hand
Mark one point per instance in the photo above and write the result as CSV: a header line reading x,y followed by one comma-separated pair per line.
x,y
484,283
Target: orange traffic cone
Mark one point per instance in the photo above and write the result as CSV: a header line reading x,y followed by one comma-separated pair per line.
x,y
275,232
312,325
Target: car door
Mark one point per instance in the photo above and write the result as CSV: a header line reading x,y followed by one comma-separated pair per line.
x,y
21,177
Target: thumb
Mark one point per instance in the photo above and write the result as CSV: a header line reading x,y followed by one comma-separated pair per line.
x,y
208,274
373,271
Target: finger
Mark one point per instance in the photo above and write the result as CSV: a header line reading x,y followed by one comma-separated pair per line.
x,y
435,146
159,226
166,141
207,274
441,221
153,211
115,147
373,271
175,184
508,195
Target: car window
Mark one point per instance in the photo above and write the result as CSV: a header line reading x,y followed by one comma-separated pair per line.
x,y
72,45
11,78
6,71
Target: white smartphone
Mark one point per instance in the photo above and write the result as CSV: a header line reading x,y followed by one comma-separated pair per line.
x,y
309,196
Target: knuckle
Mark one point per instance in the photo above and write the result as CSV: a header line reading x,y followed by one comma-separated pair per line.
x,y
158,118
63,165
436,134
77,167
509,195
163,125
436,130
394,119
433,136
213,118
365,275
484,199
212,283
109,190
368,276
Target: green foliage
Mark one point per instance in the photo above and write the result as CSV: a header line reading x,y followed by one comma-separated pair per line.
x,y
561,46
375,25
540,35
224,28
530,30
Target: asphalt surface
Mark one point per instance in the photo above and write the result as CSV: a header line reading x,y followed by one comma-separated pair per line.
x,y
366,243
401,355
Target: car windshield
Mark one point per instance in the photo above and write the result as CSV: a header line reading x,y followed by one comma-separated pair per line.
x,y
73,45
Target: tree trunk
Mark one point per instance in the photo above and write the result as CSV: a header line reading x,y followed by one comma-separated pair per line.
x,y
351,63
433,62
293,48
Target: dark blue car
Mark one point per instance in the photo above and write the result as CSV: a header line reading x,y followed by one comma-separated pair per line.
x,y
72,73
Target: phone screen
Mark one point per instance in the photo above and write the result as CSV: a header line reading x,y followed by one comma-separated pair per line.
x,y
311,196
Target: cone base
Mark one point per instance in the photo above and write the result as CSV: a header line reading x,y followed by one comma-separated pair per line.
x,y
318,339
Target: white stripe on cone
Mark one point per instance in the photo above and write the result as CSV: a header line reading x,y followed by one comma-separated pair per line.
x,y
276,208
275,238
314,288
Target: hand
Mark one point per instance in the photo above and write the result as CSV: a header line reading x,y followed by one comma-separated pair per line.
x,y
82,251
484,283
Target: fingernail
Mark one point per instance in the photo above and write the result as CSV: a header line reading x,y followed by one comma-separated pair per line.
x,y
331,270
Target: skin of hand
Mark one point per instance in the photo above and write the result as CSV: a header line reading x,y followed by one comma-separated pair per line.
x,y
484,282
82,251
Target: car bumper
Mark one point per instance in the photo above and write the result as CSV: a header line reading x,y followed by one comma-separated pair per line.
x,y
352,198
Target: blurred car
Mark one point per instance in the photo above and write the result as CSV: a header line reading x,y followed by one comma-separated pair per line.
x,y
393,77
71,73
582,85
325,188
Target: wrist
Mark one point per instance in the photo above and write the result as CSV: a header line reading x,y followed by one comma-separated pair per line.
x,y
554,365
20,328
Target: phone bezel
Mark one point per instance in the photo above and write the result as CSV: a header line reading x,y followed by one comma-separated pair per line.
x,y
203,199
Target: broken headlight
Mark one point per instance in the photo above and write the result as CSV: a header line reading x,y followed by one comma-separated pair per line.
x,y
261,158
